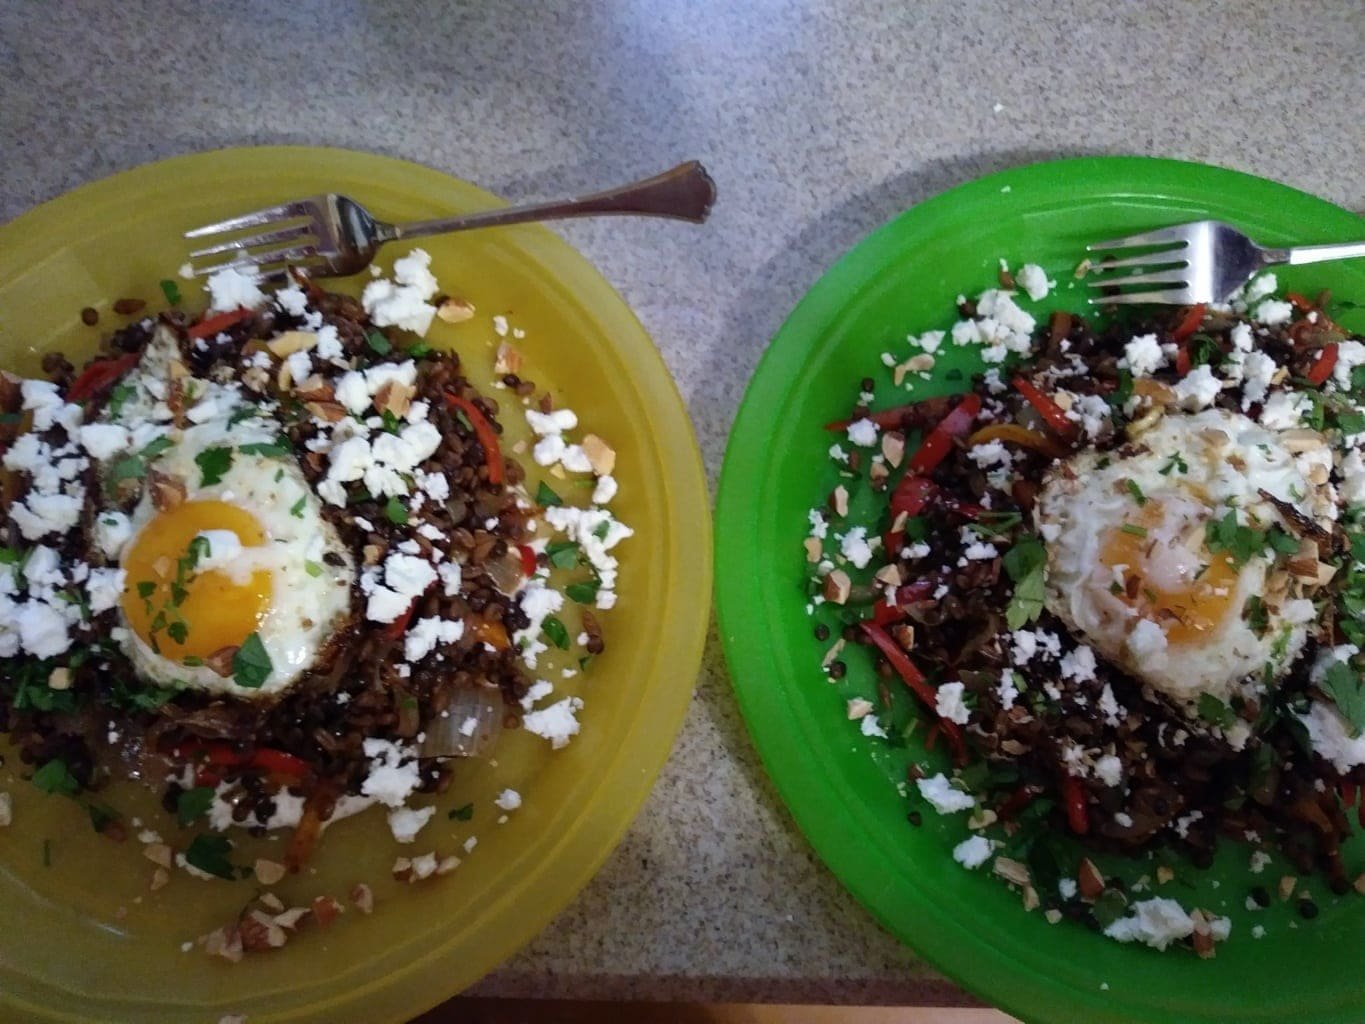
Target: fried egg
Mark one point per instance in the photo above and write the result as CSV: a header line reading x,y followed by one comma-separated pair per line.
x,y
232,574
1130,570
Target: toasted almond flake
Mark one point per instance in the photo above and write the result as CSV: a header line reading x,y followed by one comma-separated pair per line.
x,y
447,864
893,447
1279,376
898,524
878,475
395,398
1083,268
519,448
813,549
159,853
362,896
455,311
315,389
1013,747
423,866
225,942
1164,874
837,587
325,910
508,360
268,872
1030,898
557,471
904,634
59,679
256,378
859,709
289,342
1287,883
1301,439
834,651
1203,936
1064,399
601,456
1052,916
326,412
167,492
372,554
1011,871
270,901
160,879
1089,881
838,501
290,918
260,933
6,810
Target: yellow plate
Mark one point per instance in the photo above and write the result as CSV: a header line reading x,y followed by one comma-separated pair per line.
x,y
83,938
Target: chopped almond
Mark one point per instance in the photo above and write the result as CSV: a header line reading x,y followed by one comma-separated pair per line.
x,y
290,342
834,651
1360,883
1089,881
837,587
893,447
1164,875
268,872
600,455
270,901
372,554
1011,871
168,492
325,910
260,933
424,866
59,679
315,389
982,818
225,942
1203,935
878,474
160,879
158,853
395,398
327,412
290,918
813,549
890,574
6,810
838,501
1030,898
1287,883
904,634
402,869
859,709
363,897
447,864
455,311
507,360
1053,915
1301,439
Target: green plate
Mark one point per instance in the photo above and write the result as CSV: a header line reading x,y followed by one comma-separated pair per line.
x,y
840,786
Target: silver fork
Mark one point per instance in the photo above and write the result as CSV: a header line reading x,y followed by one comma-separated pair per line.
x,y
333,236
1204,261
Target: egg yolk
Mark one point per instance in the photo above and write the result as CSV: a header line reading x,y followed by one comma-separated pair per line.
x,y
179,611
1187,593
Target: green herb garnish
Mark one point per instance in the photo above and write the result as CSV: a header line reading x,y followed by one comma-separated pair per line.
x,y
564,554
546,497
1136,492
378,342
251,665
461,813
556,631
583,593
396,513
296,510
213,463
280,448
313,569
1133,530
1345,687
55,777
209,854
193,803
1025,563
172,292
1215,712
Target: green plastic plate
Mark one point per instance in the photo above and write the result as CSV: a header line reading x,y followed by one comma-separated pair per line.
x,y
841,786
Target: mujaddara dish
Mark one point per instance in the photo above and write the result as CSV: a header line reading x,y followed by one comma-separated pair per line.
x,y
278,562
1122,578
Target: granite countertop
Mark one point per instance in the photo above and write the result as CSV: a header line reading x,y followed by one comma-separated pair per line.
x,y
819,122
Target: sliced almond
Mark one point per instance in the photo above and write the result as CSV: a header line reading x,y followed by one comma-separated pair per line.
x,y
813,549
402,869
424,866
167,492
601,455
1287,883
289,342
1031,901
455,311
159,854
315,389
904,635
983,817
1203,935
837,587
838,501
268,872
1301,439
395,398
326,412
507,360
1011,871
1164,874
271,902
1359,883
878,474
859,708
1053,915
362,896
833,653
160,879
260,933
893,447
1089,881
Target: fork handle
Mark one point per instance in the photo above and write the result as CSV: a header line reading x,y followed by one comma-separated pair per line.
x,y
684,193
1320,253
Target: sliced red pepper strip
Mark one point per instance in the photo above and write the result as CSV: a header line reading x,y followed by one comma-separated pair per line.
x,y
912,494
1182,360
1300,303
1053,414
528,560
1016,802
935,448
221,322
1323,365
917,684
483,430
277,762
1073,796
931,739
96,377
399,626
887,419
886,614
1189,323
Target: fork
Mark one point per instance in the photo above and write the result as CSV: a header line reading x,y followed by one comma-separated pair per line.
x,y
334,236
1204,261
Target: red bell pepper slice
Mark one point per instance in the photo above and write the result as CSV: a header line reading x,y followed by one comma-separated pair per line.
x,y
1053,414
1182,360
483,430
917,684
528,560
217,754
935,448
1016,802
1073,796
887,419
1323,365
277,762
912,494
216,324
96,377
1189,323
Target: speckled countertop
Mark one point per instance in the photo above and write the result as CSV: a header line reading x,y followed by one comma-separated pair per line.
x,y
819,122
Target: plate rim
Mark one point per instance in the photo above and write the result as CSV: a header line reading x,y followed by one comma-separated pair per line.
x,y
634,764
740,484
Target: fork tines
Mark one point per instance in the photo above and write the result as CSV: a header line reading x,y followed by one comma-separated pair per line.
x,y
287,242
1166,264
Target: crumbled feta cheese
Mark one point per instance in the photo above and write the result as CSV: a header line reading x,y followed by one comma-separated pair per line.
x,y
394,773
863,433
557,723
426,634
1109,770
1078,664
1331,737
406,822
1146,640
1033,279
973,852
855,547
1197,389
104,440
869,726
1007,689
1158,922
941,794
949,704
1284,410
604,490
228,289
546,424
1273,312
508,800
403,302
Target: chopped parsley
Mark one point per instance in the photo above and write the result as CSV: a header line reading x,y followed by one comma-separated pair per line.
x,y
1215,712
1176,463
296,510
461,813
251,665
556,631
1025,562
209,854
213,463
171,290
378,342
546,497
564,554
1256,615
1344,685
1240,543
419,350
118,398
395,512
280,448
601,530
1136,492
583,593
193,803
55,777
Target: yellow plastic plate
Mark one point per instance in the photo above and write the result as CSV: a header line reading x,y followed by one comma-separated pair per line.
x,y
83,937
